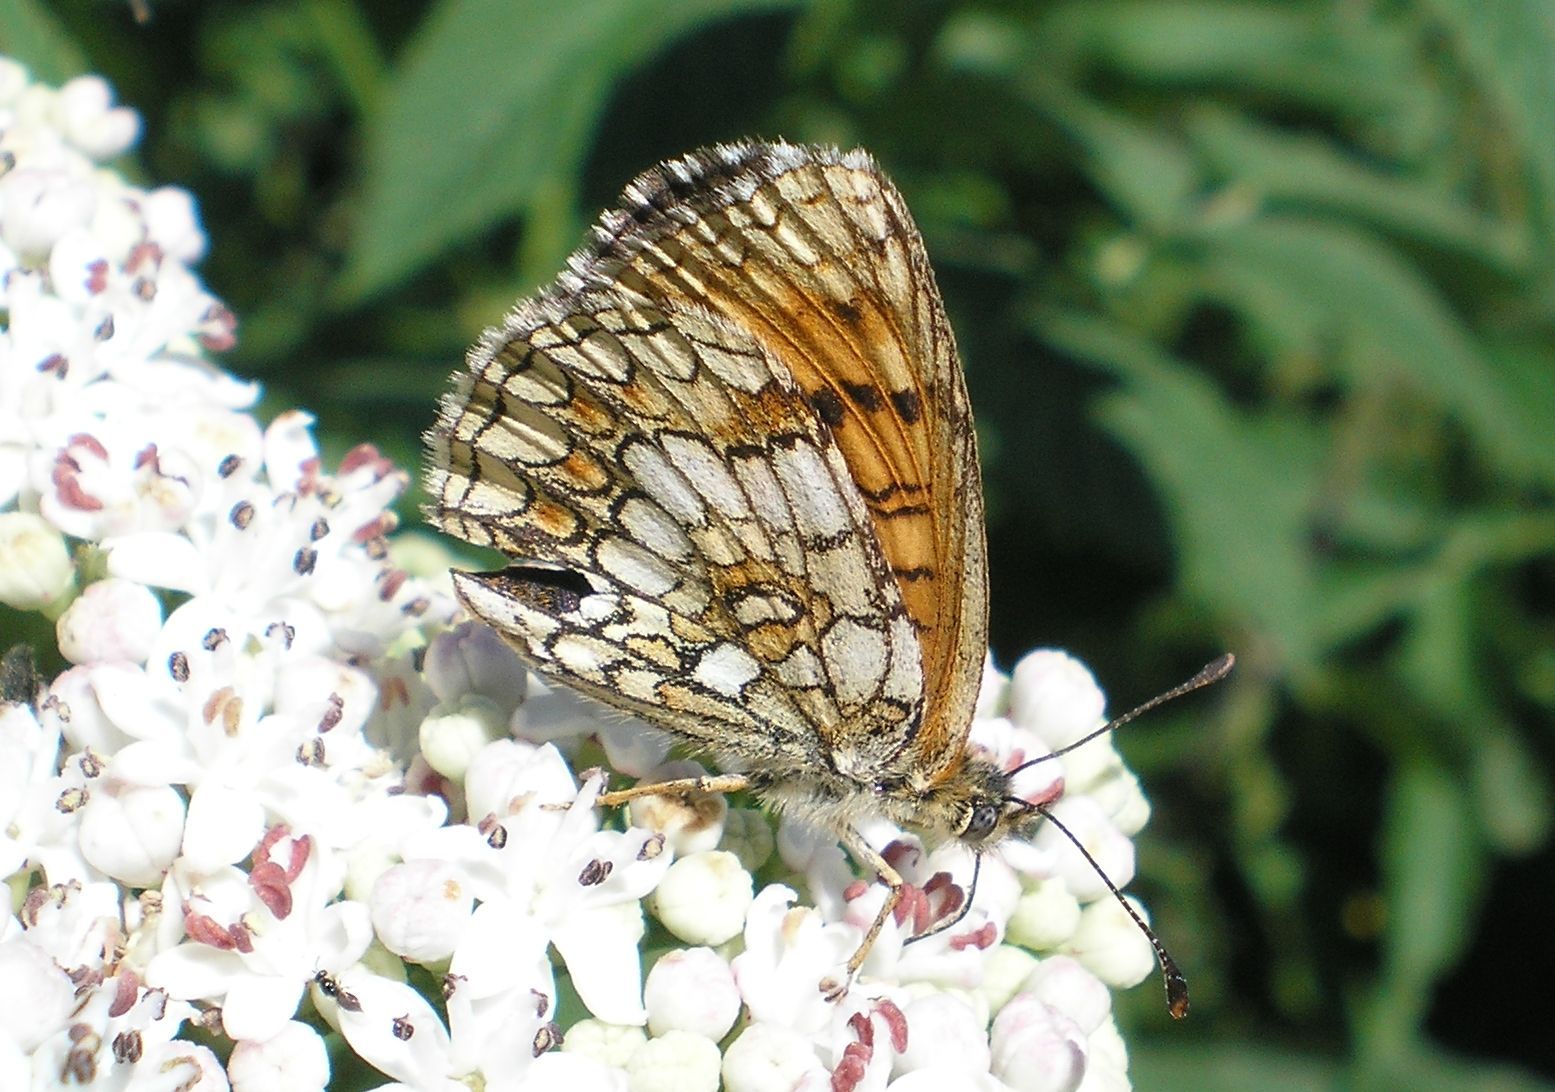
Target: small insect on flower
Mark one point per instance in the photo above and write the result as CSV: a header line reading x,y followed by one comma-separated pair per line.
x,y
730,456
330,987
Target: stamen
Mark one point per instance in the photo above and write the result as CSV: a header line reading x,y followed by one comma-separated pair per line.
x,y
955,918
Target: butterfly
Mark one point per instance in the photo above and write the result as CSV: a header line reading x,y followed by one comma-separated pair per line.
x,y
730,456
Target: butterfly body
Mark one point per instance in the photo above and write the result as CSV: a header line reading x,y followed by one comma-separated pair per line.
x,y
730,455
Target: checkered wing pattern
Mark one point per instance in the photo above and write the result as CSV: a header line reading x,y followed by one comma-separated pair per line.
x,y
730,455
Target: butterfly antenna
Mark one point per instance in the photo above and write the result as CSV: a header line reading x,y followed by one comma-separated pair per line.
x,y
1176,982
1212,672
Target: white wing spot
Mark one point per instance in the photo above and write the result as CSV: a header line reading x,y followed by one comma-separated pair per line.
x,y
855,658
812,492
905,681
708,475
652,527
801,670
581,654
726,669
638,568
663,483
754,609
765,493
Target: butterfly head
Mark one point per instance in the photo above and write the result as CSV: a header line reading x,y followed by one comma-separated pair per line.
x,y
972,803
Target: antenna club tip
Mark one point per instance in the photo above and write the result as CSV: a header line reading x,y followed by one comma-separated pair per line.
x,y
1218,668
1176,989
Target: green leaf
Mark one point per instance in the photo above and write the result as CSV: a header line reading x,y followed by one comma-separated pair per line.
x,y
1511,792
1352,285
1507,46
1230,1067
1149,176
1237,489
1288,51
1314,174
492,104
1433,868
31,35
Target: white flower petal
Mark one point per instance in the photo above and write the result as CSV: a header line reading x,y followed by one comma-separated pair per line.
x,y
421,1061
155,762
500,947
225,823
565,1072
38,997
162,559
599,947
192,971
259,1006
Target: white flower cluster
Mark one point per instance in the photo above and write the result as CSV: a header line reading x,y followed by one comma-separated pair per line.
x,y
279,764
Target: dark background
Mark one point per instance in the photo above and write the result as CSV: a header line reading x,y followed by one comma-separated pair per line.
x,y
1256,302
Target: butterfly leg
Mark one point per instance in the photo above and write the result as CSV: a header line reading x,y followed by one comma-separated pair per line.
x,y
710,783
865,854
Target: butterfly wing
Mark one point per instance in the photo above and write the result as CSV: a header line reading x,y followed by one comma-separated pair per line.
x,y
813,253
708,563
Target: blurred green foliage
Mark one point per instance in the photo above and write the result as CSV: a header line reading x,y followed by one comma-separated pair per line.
x,y
1257,302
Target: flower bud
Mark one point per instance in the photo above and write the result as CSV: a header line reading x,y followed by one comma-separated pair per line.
x,y
1005,970
472,659
1109,849
293,1058
90,120
1064,984
1046,917
703,898
612,1044
691,989
768,1058
943,1027
133,834
748,835
1111,946
39,204
677,1061
112,620
451,736
1036,1048
35,567
1055,696
420,909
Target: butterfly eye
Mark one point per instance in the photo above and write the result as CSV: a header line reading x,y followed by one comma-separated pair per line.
x,y
980,823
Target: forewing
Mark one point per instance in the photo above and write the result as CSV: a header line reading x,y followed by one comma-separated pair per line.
x,y
813,254
704,557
